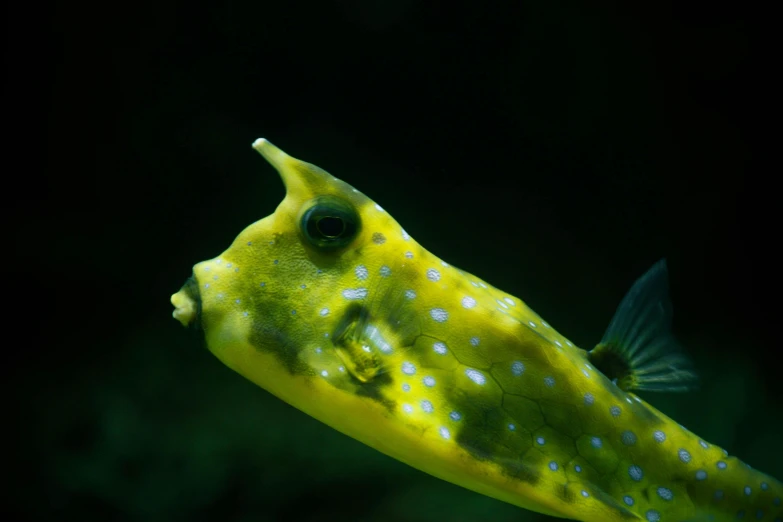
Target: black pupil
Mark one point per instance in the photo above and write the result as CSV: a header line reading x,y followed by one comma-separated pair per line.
x,y
331,226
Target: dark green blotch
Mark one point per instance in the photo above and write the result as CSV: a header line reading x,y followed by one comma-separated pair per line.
x,y
565,494
475,435
614,505
373,389
265,334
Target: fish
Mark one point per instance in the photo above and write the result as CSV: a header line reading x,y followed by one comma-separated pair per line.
x,y
331,306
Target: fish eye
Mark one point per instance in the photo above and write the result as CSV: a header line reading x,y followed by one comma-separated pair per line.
x,y
330,227
330,223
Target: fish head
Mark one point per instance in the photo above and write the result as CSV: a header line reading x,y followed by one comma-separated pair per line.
x,y
283,283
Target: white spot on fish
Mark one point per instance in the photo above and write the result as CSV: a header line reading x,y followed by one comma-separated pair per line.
x,y
517,368
429,381
532,324
206,285
444,432
405,235
366,348
440,348
615,411
353,294
474,341
569,343
408,368
721,465
511,427
444,263
406,387
475,284
439,315
237,301
385,271
407,408
361,272
589,399
245,314
628,500
665,493
549,381
378,207
764,486
540,441
718,494
427,406
509,301
701,475
341,368
410,294
659,436
559,344
475,376
586,373
596,442
653,516
468,302
409,254
455,416
318,349
585,493
684,455
747,490
635,472
553,466
433,275
501,303
628,438
324,312
703,444
324,373
578,468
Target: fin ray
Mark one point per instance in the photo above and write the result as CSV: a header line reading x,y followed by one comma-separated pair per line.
x,y
638,348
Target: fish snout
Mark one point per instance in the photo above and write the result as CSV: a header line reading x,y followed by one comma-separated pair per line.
x,y
187,303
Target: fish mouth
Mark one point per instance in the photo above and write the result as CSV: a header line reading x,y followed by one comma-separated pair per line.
x,y
187,303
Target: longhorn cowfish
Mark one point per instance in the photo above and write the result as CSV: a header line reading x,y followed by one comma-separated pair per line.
x,y
331,306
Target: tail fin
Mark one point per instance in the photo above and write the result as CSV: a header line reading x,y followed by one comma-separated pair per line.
x,y
638,350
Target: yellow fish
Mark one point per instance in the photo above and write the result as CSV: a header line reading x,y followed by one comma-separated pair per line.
x,y
331,306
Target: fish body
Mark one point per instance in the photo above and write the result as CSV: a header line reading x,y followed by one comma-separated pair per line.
x,y
331,306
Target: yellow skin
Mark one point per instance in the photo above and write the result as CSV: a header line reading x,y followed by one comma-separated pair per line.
x,y
383,341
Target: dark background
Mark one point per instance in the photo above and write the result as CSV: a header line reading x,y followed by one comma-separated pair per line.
x,y
557,149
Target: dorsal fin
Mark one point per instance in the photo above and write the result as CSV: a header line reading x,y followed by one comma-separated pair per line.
x,y
638,350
